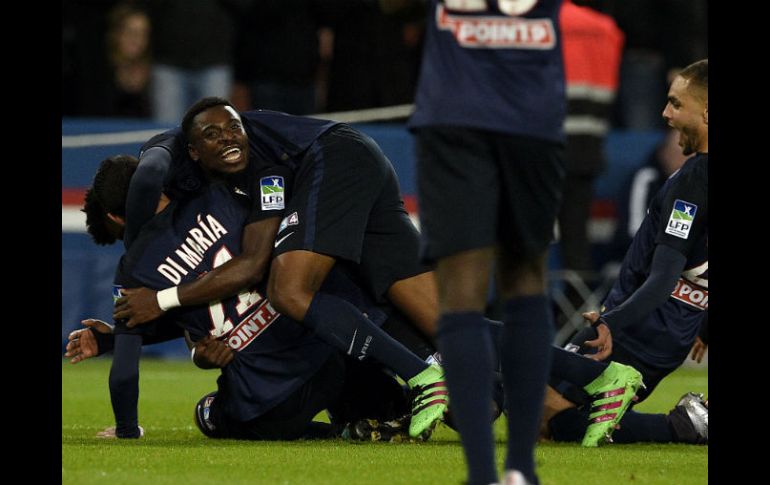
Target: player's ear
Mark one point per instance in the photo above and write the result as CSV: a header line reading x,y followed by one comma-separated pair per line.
x,y
193,152
116,219
706,113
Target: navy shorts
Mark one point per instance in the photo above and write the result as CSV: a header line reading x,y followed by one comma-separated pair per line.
x,y
478,188
346,203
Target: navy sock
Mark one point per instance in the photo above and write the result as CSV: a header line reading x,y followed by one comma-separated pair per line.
x,y
526,360
571,424
466,349
344,327
575,368
643,427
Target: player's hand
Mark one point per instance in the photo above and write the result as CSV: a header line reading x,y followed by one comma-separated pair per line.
x,y
699,350
109,433
137,306
602,343
211,353
590,317
82,344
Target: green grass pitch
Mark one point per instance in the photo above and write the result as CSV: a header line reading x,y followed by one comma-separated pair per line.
x,y
174,451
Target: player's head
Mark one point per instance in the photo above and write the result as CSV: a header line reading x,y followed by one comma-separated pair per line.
x,y
687,109
203,414
105,204
216,136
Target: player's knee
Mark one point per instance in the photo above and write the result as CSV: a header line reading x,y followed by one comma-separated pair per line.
x,y
523,277
203,416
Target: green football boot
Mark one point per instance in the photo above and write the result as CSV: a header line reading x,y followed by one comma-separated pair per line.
x,y
429,401
611,395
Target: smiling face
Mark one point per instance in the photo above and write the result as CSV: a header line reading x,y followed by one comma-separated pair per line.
x,y
687,112
218,140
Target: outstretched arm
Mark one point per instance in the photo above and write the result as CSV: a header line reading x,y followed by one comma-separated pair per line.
x,y
667,266
124,385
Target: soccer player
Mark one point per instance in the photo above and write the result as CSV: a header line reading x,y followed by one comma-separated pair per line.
x,y
345,210
652,316
280,375
488,123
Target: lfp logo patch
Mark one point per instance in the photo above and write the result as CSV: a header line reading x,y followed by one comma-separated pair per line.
x,y
273,194
681,219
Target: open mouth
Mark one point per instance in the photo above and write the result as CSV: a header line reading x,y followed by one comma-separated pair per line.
x,y
231,154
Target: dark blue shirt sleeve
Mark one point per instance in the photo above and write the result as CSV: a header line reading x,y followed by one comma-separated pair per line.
x,y
144,190
667,266
124,384
684,208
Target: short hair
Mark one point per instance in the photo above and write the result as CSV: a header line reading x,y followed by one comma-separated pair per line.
x,y
199,107
697,74
108,194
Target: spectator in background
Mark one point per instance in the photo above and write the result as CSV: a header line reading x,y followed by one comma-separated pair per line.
x,y
592,47
277,56
376,52
128,52
662,36
641,186
193,43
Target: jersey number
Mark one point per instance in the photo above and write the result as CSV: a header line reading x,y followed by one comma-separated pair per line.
x,y
246,299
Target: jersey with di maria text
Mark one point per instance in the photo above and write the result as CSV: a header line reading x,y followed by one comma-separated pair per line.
x,y
678,218
274,355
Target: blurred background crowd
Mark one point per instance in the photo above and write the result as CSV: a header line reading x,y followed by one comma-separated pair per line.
x,y
152,58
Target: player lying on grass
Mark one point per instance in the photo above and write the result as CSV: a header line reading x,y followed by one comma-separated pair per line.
x,y
275,356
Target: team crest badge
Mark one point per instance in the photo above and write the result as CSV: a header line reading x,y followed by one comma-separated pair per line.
x,y
273,193
681,219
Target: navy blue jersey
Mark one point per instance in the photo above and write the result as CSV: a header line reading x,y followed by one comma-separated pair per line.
x,y
494,65
280,138
274,355
678,218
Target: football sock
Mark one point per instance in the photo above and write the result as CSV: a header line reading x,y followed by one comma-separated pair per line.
x,y
344,327
397,327
643,427
575,368
466,349
571,424
526,361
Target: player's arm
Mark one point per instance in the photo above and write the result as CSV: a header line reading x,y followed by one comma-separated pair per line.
x,y
701,344
208,352
124,385
145,190
672,246
97,339
667,266
140,305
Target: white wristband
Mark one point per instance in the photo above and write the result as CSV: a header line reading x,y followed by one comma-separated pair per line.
x,y
192,354
168,298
